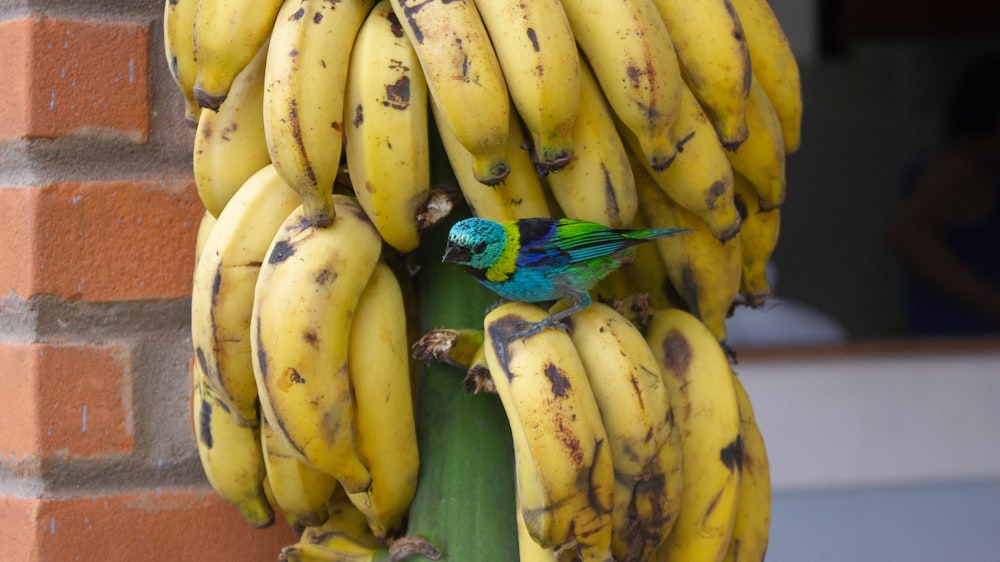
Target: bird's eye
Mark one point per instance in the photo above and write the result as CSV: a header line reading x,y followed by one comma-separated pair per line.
x,y
478,248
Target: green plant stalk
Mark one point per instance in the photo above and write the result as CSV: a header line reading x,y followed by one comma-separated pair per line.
x,y
464,505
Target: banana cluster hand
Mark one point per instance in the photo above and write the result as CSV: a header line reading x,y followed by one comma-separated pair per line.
x,y
320,126
688,476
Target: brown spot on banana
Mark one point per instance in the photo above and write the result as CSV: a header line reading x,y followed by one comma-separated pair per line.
x,y
395,27
359,116
677,354
397,94
533,37
611,197
500,331
410,11
281,252
557,380
205,421
289,378
311,338
732,455
593,499
298,14
325,277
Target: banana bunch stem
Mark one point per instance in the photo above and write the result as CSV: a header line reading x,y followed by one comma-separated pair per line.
x,y
459,434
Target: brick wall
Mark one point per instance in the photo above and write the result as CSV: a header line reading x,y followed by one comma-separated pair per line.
x,y
98,214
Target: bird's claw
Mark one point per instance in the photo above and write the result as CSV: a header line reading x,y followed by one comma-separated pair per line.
x,y
529,329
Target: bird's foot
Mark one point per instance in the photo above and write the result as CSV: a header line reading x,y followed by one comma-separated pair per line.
x,y
529,329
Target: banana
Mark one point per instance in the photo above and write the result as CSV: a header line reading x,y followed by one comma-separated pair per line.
x,y
597,183
633,58
697,376
230,451
714,61
528,549
758,238
464,79
700,179
761,158
306,293
305,86
702,269
227,34
540,63
224,282
635,408
229,144
344,537
385,433
647,272
298,489
659,491
178,46
204,229
565,478
753,513
520,195
774,65
385,121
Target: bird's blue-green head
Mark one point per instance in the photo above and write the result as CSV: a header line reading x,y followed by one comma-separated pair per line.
x,y
476,243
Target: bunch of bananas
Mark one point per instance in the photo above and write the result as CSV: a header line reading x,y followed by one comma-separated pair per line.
x,y
332,136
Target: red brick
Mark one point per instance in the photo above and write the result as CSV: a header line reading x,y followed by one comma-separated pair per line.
x,y
181,524
99,241
70,76
65,401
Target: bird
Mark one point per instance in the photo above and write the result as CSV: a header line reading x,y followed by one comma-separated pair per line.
x,y
543,259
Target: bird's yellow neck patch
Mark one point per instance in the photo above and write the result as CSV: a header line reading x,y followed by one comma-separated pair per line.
x,y
506,263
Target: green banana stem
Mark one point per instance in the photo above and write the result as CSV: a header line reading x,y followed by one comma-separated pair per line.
x,y
464,505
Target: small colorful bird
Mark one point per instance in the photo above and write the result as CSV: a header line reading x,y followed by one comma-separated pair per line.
x,y
542,259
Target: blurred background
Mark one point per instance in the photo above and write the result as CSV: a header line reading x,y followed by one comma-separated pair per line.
x,y
883,446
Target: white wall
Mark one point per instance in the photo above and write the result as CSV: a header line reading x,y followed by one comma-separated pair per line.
x,y
881,456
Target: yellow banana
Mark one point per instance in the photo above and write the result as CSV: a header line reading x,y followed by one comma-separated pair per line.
x,y
344,537
306,293
178,45
540,63
774,65
564,474
224,282
697,375
204,229
229,144
385,121
528,549
520,195
714,61
761,158
758,237
647,272
304,92
703,270
635,409
700,179
633,58
751,528
464,78
298,489
658,493
227,34
230,451
385,433
597,183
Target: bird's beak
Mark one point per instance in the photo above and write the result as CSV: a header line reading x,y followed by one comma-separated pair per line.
x,y
456,253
